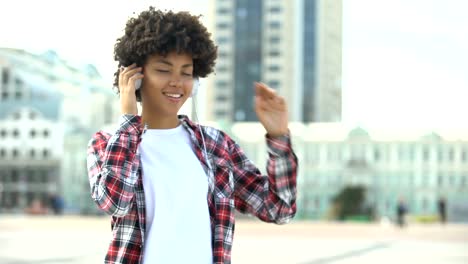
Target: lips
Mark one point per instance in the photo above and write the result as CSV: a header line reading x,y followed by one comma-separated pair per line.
x,y
173,95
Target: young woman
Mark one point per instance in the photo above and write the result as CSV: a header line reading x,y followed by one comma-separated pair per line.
x,y
171,185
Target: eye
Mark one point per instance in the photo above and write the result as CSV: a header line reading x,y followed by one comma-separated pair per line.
x,y
186,74
163,71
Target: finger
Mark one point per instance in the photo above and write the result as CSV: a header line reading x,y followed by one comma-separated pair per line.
x,y
263,90
123,70
128,73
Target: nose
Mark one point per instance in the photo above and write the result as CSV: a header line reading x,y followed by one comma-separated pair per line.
x,y
176,82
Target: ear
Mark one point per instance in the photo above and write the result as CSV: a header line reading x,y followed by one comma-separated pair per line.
x,y
196,84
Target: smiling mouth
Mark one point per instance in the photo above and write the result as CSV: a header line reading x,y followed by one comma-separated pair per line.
x,y
173,95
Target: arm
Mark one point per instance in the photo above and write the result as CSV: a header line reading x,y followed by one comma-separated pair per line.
x,y
110,163
271,197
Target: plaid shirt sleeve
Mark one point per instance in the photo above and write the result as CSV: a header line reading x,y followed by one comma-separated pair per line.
x,y
110,163
271,197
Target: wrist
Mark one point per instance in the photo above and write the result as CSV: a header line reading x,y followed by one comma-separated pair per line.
x,y
278,133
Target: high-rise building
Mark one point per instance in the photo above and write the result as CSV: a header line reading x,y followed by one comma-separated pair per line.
x,y
292,46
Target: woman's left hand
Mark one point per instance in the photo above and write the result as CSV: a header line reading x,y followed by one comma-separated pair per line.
x,y
271,110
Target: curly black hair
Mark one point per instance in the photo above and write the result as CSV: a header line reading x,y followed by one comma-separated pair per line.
x,y
155,32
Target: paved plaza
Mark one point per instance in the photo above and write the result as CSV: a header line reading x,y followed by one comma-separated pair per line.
x,y
80,240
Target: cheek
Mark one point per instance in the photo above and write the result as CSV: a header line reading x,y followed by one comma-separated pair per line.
x,y
154,80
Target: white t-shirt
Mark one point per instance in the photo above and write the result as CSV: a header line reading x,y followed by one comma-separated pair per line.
x,y
178,228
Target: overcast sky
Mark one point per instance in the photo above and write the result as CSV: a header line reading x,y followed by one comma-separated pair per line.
x,y
405,62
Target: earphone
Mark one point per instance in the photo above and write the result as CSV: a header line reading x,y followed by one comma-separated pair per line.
x,y
196,84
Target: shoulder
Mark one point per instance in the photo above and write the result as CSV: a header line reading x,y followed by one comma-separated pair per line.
x,y
213,136
99,139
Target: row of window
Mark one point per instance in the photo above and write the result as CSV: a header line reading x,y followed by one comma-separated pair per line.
x,y
442,181
272,24
274,68
224,40
33,153
32,133
271,10
28,175
379,155
6,95
221,84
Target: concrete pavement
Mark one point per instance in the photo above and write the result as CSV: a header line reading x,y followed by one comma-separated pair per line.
x,y
79,240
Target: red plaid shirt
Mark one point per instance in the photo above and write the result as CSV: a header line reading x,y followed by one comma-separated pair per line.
x,y
114,170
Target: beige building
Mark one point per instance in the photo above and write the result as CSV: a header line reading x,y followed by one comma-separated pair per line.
x,y
419,166
293,46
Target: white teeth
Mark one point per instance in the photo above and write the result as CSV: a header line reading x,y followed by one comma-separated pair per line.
x,y
173,95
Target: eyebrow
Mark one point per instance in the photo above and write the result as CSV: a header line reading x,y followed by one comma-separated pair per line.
x,y
170,64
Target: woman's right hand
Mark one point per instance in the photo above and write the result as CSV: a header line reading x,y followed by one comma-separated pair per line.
x,y
127,77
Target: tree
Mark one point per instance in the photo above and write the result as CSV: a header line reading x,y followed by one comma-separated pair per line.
x,y
350,201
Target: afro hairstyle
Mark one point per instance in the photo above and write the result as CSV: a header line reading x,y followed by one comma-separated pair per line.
x,y
156,32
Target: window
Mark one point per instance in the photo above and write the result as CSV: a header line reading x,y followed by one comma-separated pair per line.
x,y
274,84
5,76
222,25
425,154
274,24
273,68
222,40
32,115
32,133
14,153
274,40
18,82
220,113
2,153
221,98
450,155
15,133
274,53
223,54
32,153
44,176
45,153
3,133
221,84
440,180
46,133
221,69
275,9
14,176
223,11
376,154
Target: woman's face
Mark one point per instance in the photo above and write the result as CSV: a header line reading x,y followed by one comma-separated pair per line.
x,y
167,82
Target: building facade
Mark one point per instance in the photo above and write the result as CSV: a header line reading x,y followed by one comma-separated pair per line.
x,y
48,111
418,167
293,46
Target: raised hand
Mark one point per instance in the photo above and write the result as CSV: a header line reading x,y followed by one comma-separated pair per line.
x,y
127,78
271,110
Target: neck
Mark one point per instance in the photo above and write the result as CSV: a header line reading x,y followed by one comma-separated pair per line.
x,y
158,121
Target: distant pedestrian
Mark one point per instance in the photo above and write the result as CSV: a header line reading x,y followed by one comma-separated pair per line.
x,y
401,212
442,208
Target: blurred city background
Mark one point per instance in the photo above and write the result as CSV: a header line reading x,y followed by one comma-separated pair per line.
x,y
376,93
